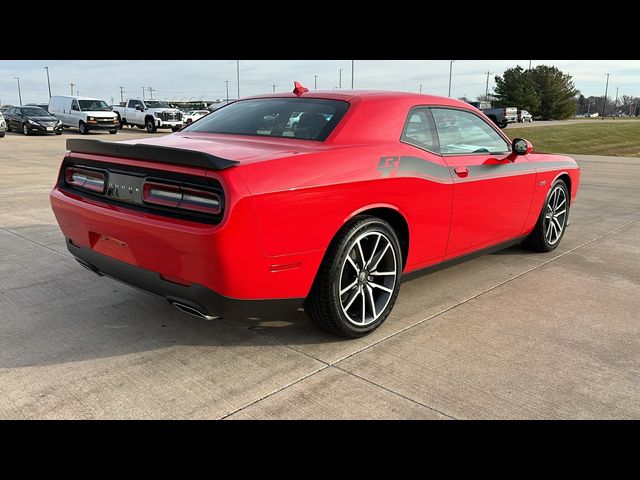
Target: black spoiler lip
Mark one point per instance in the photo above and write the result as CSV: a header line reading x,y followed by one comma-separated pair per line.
x,y
151,153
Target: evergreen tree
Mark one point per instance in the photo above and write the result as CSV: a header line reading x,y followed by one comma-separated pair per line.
x,y
544,91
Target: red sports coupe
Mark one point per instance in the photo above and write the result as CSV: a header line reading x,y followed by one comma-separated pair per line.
x,y
322,199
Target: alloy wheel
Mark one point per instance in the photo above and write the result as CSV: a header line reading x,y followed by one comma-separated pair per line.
x,y
555,215
367,278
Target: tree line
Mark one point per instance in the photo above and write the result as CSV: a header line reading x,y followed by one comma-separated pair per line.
x,y
549,94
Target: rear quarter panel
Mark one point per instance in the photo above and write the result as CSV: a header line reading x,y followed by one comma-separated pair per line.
x,y
302,201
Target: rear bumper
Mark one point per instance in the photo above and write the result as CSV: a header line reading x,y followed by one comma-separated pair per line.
x,y
198,297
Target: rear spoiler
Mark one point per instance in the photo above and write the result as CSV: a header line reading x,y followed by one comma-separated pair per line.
x,y
151,153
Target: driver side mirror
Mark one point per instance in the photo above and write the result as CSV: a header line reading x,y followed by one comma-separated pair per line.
x,y
521,146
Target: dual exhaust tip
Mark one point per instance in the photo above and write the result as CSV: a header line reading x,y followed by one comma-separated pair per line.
x,y
191,311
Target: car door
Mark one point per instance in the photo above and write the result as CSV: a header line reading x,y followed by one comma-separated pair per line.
x,y
75,115
16,119
492,187
134,116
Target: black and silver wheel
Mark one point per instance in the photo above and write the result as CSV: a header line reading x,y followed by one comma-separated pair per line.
x,y
552,221
359,279
25,129
151,126
83,128
113,131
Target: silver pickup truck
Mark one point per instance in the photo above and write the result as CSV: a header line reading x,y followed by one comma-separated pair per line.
x,y
499,116
149,114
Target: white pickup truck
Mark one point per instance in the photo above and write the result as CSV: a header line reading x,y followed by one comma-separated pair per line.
x,y
149,114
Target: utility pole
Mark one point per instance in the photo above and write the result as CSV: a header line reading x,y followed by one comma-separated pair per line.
x,y
227,85
315,82
616,105
274,88
72,85
486,90
111,100
121,94
143,93
19,92
604,104
420,88
450,70
353,64
529,64
238,76
340,79
151,90
48,82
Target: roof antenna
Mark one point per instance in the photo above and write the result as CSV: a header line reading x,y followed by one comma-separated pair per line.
x,y
299,89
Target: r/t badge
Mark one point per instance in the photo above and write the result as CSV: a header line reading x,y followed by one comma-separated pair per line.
x,y
388,165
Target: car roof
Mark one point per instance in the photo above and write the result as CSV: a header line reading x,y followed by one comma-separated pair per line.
x,y
365,95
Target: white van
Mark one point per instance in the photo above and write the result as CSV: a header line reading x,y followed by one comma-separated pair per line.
x,y
84,113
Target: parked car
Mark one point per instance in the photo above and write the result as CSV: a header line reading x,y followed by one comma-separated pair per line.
x,y
84,113
194,115
500,116
4,108
149,114
228,218
524,116
30,120
3,126
215,106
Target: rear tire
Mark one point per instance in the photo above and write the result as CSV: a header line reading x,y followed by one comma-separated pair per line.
x,y
552,221
359,279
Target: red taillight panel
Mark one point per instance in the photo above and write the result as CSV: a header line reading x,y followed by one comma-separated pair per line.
x,y
91,180
183,198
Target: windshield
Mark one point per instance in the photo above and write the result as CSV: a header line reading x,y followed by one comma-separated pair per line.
x,y
156,104
304,118
93,105
35,112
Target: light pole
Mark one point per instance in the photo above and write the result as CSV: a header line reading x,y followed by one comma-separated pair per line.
x,y
274,88
486,90
353,64
19,92
238,76
227,84
340,79
450,70
315,82
420,88
48,82
615,107
72,85
604,104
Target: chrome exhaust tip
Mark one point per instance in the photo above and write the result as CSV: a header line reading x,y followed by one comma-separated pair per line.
x,y
191,311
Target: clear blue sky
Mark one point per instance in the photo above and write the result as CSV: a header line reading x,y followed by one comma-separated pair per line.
x,y
182,79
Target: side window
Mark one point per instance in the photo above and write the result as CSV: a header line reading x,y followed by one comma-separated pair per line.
x,y
419,130
74,105
133,103
463,132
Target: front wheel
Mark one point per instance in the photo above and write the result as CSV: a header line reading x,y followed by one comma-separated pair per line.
x,y
25,129
175,129
113,131
552,222
83,128
151,126
358,282
503,125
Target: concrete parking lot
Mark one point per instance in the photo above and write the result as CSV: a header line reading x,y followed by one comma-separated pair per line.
x,y
509,335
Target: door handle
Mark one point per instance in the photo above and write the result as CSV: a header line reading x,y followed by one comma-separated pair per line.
x,y
461,171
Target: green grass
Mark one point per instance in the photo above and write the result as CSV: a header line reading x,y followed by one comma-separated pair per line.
x,y
620,139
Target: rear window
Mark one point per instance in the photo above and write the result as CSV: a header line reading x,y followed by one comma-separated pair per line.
x,y
303,118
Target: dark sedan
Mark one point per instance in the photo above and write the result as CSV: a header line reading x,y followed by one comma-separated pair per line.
x,y
30,120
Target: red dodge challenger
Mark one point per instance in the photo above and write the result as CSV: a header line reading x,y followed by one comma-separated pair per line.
x,y
322,199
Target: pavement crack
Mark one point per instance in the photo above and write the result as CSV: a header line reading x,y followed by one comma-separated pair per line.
x,y
394,392
33,241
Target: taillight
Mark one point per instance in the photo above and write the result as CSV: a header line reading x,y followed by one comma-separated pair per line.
x,y
181,197
86,179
